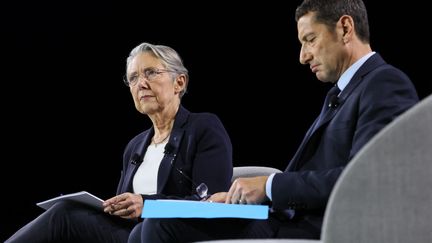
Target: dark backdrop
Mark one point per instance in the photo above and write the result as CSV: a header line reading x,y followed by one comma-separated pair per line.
x,y
66,115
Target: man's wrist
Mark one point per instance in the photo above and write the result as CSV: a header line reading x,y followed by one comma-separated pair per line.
x,y
269,186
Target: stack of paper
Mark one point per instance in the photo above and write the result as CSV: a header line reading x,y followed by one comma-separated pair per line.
x,y
81,197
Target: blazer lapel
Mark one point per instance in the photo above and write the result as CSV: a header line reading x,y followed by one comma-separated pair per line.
x,y
167,163
172,148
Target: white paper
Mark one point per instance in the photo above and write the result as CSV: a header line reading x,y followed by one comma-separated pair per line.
x,y
81,197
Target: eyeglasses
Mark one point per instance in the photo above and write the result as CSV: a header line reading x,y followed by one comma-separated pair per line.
x,y
149,73
202,189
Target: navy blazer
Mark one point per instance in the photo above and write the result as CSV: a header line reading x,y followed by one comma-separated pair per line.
x,y
199,147
376,94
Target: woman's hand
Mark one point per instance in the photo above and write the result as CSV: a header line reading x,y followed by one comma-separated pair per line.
x,y
126,205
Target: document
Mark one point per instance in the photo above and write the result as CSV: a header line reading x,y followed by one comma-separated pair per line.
x,y
81,197
201,209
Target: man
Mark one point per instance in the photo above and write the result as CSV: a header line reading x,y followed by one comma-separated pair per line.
x,y
367,95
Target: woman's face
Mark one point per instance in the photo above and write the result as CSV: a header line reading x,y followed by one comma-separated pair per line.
x,y
153,87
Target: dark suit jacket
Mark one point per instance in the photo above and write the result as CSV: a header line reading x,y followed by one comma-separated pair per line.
x,y
377,93
199,146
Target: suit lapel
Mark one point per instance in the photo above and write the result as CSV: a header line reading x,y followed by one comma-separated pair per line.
x,y
372,63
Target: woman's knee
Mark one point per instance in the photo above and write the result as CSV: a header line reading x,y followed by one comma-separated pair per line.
x,y
67,210
135,235
152,225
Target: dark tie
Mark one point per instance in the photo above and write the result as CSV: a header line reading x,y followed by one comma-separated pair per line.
x,y
331,101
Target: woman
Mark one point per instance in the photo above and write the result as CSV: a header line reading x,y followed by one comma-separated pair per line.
x,y
182,153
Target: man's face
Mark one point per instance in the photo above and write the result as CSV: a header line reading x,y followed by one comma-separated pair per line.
x,y
321,48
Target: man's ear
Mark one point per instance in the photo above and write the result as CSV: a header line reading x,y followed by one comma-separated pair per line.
x,y
347,24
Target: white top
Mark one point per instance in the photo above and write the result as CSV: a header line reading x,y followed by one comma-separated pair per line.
x,y
145,179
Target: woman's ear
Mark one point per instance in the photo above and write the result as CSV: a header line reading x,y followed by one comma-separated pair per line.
x,y
179,83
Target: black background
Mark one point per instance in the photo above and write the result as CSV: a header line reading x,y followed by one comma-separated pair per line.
x,y
66,115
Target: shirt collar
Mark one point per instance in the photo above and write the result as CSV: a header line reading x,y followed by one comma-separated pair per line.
x,y
349,73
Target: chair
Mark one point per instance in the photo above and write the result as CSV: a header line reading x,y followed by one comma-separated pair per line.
x,y
251,171
385,192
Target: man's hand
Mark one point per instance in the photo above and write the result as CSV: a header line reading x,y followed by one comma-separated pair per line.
x,y
217,197
247,191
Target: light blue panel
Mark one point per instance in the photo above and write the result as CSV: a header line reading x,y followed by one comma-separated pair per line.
x,y
198,209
